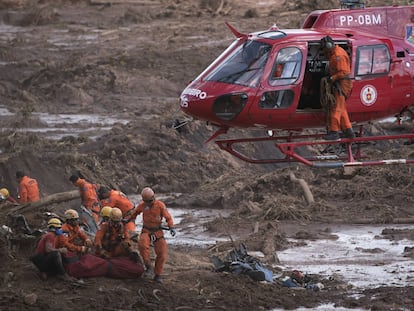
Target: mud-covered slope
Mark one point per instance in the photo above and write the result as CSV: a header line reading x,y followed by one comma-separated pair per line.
x,y
131,61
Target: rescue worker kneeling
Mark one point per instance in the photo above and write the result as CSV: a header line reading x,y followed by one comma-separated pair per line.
x,y
112,238
77,240
48,257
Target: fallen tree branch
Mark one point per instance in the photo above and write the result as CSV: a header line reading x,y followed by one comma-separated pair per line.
x,y
48,200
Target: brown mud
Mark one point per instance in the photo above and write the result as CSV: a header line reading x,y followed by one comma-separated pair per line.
x,y
131,60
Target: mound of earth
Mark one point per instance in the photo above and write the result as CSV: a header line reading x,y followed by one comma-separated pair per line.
x,y
130,60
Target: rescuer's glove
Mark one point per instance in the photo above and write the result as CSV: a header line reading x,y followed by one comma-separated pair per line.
x,y
172,232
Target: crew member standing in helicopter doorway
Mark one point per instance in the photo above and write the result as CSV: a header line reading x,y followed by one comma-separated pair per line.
x,y
339,70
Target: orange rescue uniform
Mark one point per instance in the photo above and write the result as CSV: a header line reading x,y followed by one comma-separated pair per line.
x,y
152,218
75,239
339,70
119,200
112,240
89,197
28,190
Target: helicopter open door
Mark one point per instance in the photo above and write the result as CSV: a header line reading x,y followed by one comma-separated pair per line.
x,y
289,87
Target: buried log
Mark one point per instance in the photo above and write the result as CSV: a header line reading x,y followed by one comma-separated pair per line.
x,y
48,200
305,187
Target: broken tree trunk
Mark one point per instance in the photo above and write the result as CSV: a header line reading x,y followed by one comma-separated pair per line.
x,y
305,187
48,200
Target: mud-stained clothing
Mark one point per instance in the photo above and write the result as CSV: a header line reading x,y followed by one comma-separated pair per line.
x,y
28,190
48,259
152,217
76,239
112,240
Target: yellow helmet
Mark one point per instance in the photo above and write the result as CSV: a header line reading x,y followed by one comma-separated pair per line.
x,y
116,214
4,192
106,211
71,214
54,223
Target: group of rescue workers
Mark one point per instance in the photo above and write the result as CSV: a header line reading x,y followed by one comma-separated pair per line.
x,y
115,215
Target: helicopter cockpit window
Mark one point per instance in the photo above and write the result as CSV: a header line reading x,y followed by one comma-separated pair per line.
x,y
373,60
287,66
244,66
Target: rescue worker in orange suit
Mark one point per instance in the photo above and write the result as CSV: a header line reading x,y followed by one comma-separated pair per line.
x,y
28,188
339,70
115,198
6,197
89,196
48,257
76,239
153,212
112,238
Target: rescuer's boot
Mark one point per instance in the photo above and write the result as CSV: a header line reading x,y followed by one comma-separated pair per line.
x,y
149,272
332,135
349,133
157,278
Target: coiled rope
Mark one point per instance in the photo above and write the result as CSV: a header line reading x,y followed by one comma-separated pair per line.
x,y
326,94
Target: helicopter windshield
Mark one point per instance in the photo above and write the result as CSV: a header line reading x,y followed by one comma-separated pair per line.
x,y
244,65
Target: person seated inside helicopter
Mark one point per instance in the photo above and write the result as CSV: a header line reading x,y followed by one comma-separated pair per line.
x,y
278,71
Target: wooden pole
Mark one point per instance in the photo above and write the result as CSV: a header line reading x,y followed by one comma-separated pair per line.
x,y
48,200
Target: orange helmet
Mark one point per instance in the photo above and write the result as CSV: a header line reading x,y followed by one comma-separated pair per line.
x,y
116,214
106,211
71,214
147,194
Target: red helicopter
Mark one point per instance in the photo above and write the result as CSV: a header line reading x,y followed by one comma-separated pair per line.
x,y
270,80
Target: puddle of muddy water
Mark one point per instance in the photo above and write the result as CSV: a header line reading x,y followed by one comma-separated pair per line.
x,y
58,126
190,224
360,255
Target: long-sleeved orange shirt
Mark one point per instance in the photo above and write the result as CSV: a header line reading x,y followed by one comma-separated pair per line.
x,y
76,238
119,200
88,193
152,216
339,64
28,190
340,68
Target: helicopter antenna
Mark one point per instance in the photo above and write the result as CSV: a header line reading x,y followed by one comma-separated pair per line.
x,y
235,32
352,4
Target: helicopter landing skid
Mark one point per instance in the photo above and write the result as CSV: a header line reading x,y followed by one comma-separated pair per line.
x,y
347,152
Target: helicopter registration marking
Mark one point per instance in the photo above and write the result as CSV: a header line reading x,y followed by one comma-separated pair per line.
x,y
368,95
359,20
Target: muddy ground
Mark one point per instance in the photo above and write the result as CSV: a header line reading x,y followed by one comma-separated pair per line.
x,y
131,60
